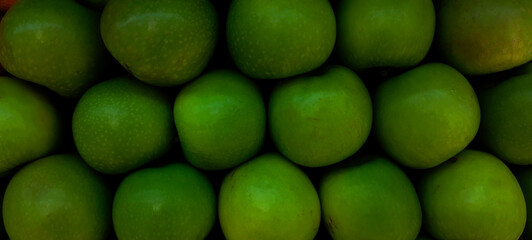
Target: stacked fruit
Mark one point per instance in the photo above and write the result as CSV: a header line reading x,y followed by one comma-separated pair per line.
x,y
266,119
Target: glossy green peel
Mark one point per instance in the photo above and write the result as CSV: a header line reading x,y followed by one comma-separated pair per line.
x,y
172,202
121,124
54,43
30,123
268,198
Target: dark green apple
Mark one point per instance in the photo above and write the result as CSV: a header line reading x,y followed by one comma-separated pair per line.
x,y
506,124
426,115
272,39
221,120
369,198
268,198
54,43
484,36
121,124
472,196
172,202
320,119
160,42
384,33
30,123
57,197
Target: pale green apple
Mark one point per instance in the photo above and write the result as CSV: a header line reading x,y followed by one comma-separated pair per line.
x,y
272,39
30,123
120,124
54,43
171,202
268,198
161,42
472,196
484,36
426,115
384,33
57,197
322,118
506,124
369,198
220,119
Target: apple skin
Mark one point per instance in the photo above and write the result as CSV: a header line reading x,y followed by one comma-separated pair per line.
x,y
271,39
426,115
484,36
384,33
369,198
220,119
524,177
321,118
120,124
163,43
60,46
57,197
30,123
171,202
472,196
268,197
506,124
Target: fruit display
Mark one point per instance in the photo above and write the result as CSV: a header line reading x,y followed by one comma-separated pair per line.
x,y
266,119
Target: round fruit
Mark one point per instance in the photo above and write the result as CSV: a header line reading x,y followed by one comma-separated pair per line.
x,y
272,39
268,198
171,202
54,43
57,197
425,116
369,198
506,124
472,196
524,177
30,125
322,119
220,119
121,124
484,36
384,33
160,42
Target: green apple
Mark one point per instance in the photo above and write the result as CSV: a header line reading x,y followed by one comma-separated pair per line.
x,y
426,115
121,124
506,124
30,124
268,198
172,202
369,198
384,33
54,43
161,42
57,197
484,36
320,119
472,196
272,39
221,120
524,177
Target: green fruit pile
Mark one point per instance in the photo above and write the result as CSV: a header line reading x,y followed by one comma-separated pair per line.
x,y
266,119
